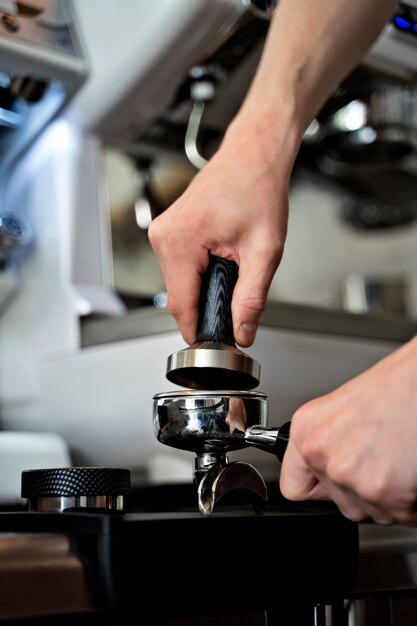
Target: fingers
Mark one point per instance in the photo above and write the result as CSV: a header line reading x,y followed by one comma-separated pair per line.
x,y
183,266
308,473
183,284
336,453
193,227
182,269
256,271
299,483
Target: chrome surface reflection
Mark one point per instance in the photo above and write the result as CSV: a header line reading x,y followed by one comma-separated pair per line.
x,y
207,421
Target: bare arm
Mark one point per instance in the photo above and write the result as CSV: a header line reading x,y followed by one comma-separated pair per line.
x,y
356,445
236,207
312,46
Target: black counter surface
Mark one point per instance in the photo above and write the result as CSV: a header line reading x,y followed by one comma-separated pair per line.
x,y
162,562
162,558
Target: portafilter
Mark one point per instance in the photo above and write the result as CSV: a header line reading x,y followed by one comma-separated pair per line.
x,y
211,424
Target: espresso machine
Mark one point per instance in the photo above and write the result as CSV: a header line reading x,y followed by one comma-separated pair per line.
x,y
42,67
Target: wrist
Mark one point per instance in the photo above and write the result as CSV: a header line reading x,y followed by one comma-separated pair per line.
x,y
268,132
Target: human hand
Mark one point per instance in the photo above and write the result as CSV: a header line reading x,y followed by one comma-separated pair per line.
x,y
235,208
357,446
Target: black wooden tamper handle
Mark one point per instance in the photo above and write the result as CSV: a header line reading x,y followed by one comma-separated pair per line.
x,y
215,323
214,361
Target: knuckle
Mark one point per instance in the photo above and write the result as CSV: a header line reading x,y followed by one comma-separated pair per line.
x,y
340,472
174,306
376,491
354,514
407,517
302,416
268,256
313,451
256,302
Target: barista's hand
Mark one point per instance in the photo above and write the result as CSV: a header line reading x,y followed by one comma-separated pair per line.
x,y
357,445
235,208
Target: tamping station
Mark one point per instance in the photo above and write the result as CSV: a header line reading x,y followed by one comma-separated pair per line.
x,y
220,412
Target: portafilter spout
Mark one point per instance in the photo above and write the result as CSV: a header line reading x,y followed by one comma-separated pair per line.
x,y
214,361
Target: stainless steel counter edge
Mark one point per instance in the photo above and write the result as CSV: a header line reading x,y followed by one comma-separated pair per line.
x,y
150,320
387,560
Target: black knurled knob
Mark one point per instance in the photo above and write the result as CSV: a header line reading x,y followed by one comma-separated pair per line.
x,y
75,481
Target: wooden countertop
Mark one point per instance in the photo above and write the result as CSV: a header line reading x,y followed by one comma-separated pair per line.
x,y
40,576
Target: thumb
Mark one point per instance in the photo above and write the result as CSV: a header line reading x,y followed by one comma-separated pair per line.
x,y
249,299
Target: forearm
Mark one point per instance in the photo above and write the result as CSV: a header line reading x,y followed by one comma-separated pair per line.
x,y
312,45
236,207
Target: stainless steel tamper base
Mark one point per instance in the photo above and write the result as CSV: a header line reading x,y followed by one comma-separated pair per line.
x,y
210,365
61,503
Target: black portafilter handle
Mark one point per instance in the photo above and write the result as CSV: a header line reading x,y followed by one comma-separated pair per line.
x,y
214,361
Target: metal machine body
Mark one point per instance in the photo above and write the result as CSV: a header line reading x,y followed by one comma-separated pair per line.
x,y
42,66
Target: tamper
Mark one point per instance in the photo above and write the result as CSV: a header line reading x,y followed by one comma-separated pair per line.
x,y
214,361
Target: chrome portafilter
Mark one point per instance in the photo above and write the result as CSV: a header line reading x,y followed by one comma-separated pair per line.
x,y
211,424
68,488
